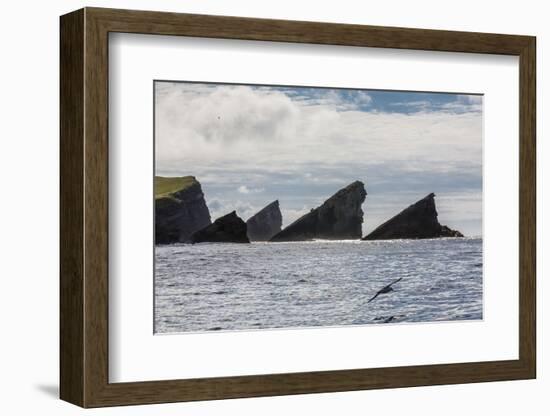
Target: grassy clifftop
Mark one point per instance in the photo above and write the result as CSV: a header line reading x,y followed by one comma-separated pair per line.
x,y
164,186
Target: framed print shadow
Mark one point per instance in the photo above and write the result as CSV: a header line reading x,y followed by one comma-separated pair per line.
x,y
254,207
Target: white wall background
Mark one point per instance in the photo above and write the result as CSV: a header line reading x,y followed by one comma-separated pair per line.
x,y
29,159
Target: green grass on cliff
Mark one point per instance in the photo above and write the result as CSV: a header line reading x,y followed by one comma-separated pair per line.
x,y
165,186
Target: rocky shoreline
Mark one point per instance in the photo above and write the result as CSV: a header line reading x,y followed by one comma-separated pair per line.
x,y
182,216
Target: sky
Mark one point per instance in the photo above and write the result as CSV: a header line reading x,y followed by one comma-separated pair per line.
x,y
249,145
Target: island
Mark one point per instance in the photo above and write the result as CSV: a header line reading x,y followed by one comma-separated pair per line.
x,y
414,222
339,218
265,223
227,229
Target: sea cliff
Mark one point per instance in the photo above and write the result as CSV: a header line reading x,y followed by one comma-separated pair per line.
x,y
419,220
180,209
339,218
265,223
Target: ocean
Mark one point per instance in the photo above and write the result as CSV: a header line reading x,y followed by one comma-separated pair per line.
x,y
227,287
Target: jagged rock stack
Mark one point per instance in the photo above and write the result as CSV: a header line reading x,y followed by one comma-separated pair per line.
x,y
227,229
180,209
417,221
340,217
181,215
266,223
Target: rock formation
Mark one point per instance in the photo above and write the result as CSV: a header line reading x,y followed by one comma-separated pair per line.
x,y
227,229
180,209
266,223
417,221
339,218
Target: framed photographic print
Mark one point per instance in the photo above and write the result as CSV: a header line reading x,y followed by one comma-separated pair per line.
x,y
255,207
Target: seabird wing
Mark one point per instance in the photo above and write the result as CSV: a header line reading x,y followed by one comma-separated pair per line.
x,y
374,297
395,281
382,290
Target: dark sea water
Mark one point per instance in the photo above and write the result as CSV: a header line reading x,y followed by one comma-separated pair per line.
x,y
206,286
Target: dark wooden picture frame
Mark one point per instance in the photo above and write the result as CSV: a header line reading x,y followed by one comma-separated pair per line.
x,y
84,207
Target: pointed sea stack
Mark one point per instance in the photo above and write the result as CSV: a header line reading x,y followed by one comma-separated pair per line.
x,y
227,229
266,223
180,209
339,218
417,221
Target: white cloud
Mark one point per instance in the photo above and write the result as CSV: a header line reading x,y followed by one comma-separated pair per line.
x,y
245,127
275,142
421,104
243,189
338,99
212,122
221,207
462,104
290,215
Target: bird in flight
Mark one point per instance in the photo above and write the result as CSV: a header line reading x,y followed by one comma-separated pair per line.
x,y
385,289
